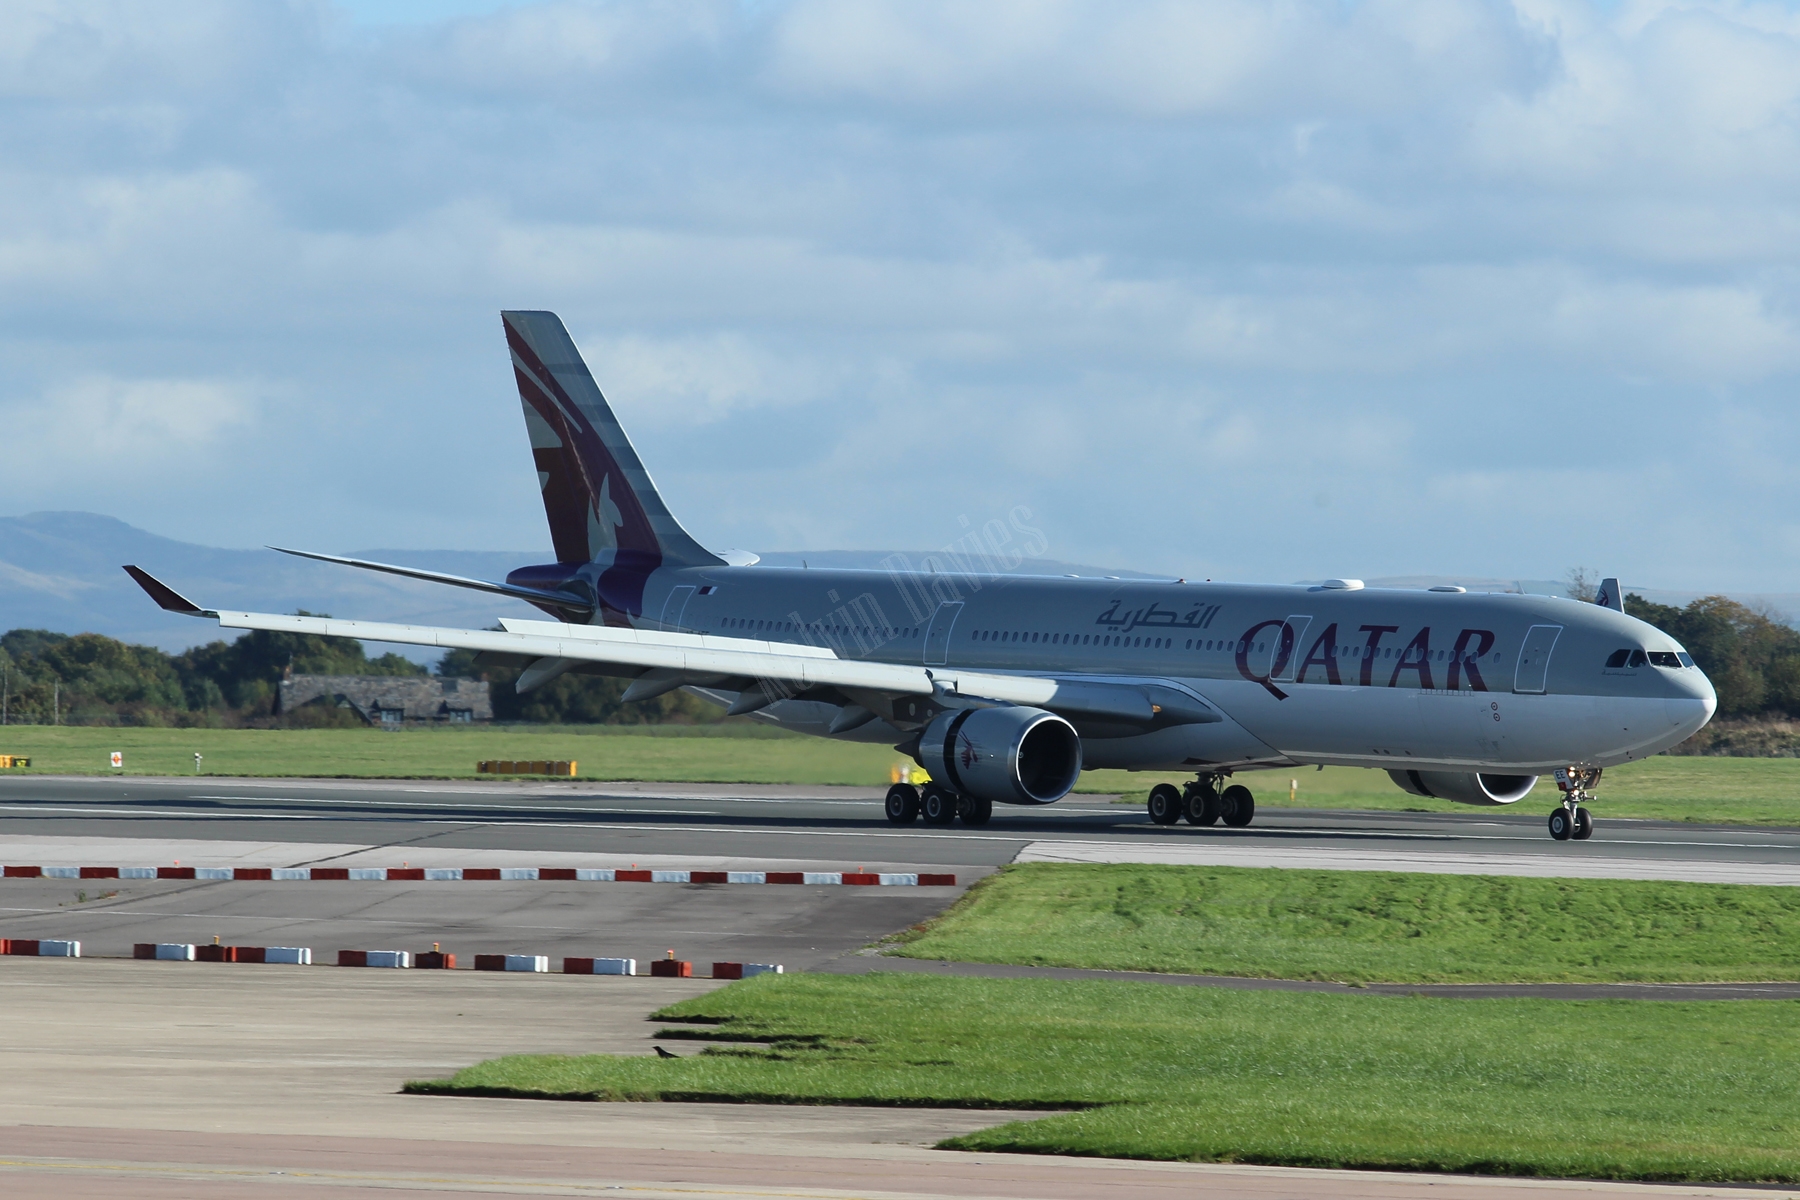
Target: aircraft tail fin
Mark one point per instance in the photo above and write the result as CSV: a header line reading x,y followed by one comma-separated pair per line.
x,y
598,497
1609,595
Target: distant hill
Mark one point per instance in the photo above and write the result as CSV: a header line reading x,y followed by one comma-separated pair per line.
x,y
60,571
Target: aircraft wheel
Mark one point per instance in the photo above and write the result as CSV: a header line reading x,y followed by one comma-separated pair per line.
x,y
903,804
1584,824
1239,805
1560,826
1200,804
1165,804
937,805
977,812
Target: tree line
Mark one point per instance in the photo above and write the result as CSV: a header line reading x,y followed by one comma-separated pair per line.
x,y
1752,659
89,679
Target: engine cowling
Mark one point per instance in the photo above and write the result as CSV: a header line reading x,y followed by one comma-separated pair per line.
x,y
1008,755
1465,787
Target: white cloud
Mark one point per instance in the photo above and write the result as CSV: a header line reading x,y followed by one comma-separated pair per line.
x,y
1166,273
689,380
141,428
1160,59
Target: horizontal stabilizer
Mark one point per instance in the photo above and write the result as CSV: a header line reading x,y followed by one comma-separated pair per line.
x,y
532,595
166,597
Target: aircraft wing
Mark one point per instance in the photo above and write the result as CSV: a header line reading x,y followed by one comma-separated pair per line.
x,y
762,672
701,657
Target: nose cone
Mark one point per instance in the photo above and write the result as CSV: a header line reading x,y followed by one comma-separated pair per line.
x,y
1690,710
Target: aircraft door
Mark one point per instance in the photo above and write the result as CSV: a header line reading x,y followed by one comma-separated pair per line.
x,y
1534,659
1289,649
675,606
937,636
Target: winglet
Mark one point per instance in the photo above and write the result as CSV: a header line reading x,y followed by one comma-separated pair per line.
x,y
167,597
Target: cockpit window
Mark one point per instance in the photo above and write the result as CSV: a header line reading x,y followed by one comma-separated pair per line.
x,y
1665,658
1633,658
1687,660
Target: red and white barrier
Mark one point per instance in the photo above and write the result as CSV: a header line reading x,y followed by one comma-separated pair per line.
x,y
303,956
535,963
181,952
40,948
164,951
475,874
600,966
374,958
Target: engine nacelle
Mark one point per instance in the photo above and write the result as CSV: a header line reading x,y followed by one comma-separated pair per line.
x,y
1007,755
1465,787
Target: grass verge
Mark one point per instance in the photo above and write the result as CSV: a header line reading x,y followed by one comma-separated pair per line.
x,y
1614,1090
669,753
1754,791
1367,927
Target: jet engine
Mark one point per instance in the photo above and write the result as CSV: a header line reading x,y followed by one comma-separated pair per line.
x,y
1465,787
1007,755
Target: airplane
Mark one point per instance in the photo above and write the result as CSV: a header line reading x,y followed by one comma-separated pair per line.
x,y
1004,686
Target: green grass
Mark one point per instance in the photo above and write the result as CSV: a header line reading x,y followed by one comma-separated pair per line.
x,y
1623,1090
1763,791
668,753
1755,791
1366,927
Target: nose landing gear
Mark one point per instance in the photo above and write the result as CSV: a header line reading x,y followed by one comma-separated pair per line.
x,y
1573,821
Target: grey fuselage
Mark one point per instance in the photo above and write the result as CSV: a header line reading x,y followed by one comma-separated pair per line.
x,y
1387,678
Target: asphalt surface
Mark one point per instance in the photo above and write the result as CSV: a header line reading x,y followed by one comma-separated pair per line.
x,y
48,820
190,1081
842,828
800,928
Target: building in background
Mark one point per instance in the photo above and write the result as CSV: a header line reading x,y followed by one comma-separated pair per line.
x,y
392,700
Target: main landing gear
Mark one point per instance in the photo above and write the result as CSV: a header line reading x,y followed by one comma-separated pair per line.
x,y
937,804
1202,803
1573,821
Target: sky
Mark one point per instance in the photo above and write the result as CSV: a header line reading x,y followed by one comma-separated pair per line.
x,y
1260,291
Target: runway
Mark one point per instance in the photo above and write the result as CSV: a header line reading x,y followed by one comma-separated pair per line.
x,y
250,1081
842,828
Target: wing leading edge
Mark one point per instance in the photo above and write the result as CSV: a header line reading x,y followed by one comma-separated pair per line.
x,y
762,672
